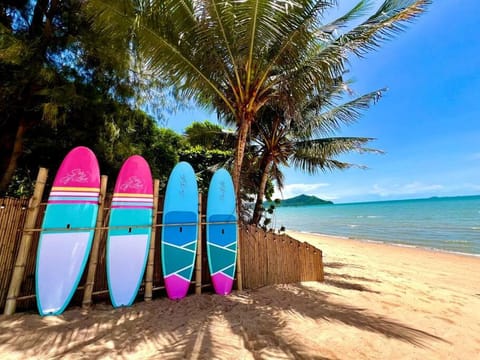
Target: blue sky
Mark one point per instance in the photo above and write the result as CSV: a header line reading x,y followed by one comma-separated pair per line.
x,y
427,123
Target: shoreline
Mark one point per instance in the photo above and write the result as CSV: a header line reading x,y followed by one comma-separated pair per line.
x,y
384,242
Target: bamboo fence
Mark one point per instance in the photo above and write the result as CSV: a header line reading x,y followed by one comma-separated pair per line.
x,y
266,258
12,216
270,258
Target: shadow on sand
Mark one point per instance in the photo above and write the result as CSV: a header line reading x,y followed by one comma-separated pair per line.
x,y
251,324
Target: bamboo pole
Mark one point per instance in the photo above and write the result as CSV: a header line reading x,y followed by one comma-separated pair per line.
x,y
198,260
239,261
25,243
321,275
151,253
92,265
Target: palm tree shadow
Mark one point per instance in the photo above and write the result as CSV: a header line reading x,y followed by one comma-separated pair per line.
x,y
329,275
263,324
254,323
344,280
103,331
348,285
251,319
339,265
313,304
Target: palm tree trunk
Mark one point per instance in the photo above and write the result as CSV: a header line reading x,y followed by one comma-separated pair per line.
x,y
15,155
265,167
243,131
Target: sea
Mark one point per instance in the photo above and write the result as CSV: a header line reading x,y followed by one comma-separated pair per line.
x,y
449,224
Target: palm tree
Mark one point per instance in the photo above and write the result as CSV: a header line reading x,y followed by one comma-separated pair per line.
x,y
239,55
282,143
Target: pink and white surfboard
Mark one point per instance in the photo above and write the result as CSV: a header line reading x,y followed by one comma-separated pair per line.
x,y
67,230
130,229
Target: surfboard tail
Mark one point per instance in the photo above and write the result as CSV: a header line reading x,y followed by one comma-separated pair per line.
x,y
176,286
222,283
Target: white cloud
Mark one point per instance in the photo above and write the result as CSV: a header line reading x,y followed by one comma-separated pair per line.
x,y
412,188
471,187
292,190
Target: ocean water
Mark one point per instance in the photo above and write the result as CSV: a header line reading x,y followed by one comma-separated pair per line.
x,y
448,224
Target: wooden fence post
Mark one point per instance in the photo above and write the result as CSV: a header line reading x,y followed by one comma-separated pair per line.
x,y
25,243
198,260
151,253
92,265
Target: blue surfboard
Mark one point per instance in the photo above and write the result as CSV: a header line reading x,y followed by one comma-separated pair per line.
x,y
180,230
222,231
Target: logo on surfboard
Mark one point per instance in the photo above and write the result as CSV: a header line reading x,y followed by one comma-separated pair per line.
x,y
75,175
132,183
183,184
222,190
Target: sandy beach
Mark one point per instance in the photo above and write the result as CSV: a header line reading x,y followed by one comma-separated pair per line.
x,y
377,302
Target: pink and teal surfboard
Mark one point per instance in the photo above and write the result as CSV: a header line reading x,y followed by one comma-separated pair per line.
x,y
222,231
67,231
130,229
180,230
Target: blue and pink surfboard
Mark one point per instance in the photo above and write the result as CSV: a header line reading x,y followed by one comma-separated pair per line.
x,y
222,231
180,230
130,228
67,230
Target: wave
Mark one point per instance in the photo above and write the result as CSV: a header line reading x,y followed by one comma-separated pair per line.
x,y
402,245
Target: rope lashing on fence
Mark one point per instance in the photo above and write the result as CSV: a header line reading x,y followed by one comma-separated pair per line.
x,y
126,226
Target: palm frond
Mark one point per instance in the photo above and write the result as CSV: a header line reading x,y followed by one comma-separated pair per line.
x,y
314,155
331,120
163,49
390,19
326,32
224,17
297,36
278,176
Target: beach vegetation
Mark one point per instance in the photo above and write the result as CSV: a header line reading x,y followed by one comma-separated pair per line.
x,y
209,147
61,76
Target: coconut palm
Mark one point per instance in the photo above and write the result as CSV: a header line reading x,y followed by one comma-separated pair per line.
x,y
302,144
239,55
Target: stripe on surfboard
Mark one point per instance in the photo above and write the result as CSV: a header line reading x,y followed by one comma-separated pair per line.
x,y
226,247
182,247
74,188
176,273
131,207
132,195
69,198
133,200
223,271
72,202
73,193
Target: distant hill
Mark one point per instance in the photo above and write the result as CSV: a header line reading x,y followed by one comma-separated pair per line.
x,y
300,200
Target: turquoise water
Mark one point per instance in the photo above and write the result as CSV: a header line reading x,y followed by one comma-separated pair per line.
x,y
449,224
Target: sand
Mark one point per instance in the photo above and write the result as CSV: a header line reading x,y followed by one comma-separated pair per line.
x,y
377,302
